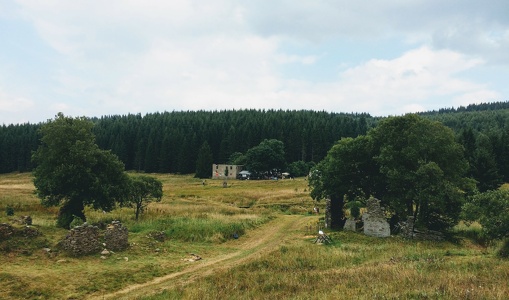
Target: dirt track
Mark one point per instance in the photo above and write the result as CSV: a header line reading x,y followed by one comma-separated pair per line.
x,y
250,246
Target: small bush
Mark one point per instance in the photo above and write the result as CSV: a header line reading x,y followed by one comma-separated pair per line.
x,y
76,221
9,210
504,250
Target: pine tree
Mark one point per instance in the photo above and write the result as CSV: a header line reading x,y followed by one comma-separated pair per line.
x,y
204,161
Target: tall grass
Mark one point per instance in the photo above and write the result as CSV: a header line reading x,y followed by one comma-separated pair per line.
x,y
358,267
194,217
202,219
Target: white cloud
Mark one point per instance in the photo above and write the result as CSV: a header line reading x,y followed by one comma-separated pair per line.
x,y
11,103
134,56
419,80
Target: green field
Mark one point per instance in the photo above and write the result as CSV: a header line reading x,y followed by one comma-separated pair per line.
x,y
274,257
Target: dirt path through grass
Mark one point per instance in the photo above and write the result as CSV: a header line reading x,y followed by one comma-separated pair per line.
x,y
249,247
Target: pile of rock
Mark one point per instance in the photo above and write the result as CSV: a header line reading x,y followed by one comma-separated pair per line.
x,y
87,239
82,240
116,236
28,232
6,231
25,220
159,236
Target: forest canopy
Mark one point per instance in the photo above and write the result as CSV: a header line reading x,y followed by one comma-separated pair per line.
x,y
170,142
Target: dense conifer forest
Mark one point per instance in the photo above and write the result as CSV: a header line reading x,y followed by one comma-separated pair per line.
x,y
169,142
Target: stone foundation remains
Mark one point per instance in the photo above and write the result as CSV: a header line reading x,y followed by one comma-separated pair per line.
x,y
408,231
375,222
328,217
6,231
86,239
82,240
350,225
116,236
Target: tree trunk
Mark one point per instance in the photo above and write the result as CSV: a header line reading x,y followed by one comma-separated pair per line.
x,y
68,211
336,212
139,208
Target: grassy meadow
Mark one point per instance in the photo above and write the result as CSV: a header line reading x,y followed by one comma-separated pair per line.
x,y
274,257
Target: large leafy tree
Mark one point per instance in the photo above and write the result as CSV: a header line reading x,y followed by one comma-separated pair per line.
x,y
71,170
269,155
347,172
412,164
424,169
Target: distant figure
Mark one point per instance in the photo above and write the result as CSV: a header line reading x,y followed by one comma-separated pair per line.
x,y
316,210
203,182
225,184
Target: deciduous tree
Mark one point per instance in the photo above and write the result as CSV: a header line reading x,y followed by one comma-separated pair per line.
x,y
267,156
71,170
412,164
424,170
143,190
491,210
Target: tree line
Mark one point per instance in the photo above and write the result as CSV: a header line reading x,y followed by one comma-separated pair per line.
x,y
170,142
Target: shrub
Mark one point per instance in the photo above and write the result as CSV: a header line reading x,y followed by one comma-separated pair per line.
x,y
9,210
76,221
504,251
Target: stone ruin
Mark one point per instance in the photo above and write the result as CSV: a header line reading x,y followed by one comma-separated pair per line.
x,y
25,220
116,236
6,231
82,240
375,222
328,217
86,239
408,231
350,225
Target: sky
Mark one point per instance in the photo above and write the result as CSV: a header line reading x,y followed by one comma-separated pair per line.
x,y
387,57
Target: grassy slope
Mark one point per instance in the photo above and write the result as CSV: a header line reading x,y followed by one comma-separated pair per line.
x,y
199,220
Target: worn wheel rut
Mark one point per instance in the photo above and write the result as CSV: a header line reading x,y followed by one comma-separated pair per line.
x,y
251,246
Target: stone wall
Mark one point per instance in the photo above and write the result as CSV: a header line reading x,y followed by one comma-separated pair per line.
x,y
328,214
82,240
375,222
87,239
6,231
408,231
350,225
116,236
